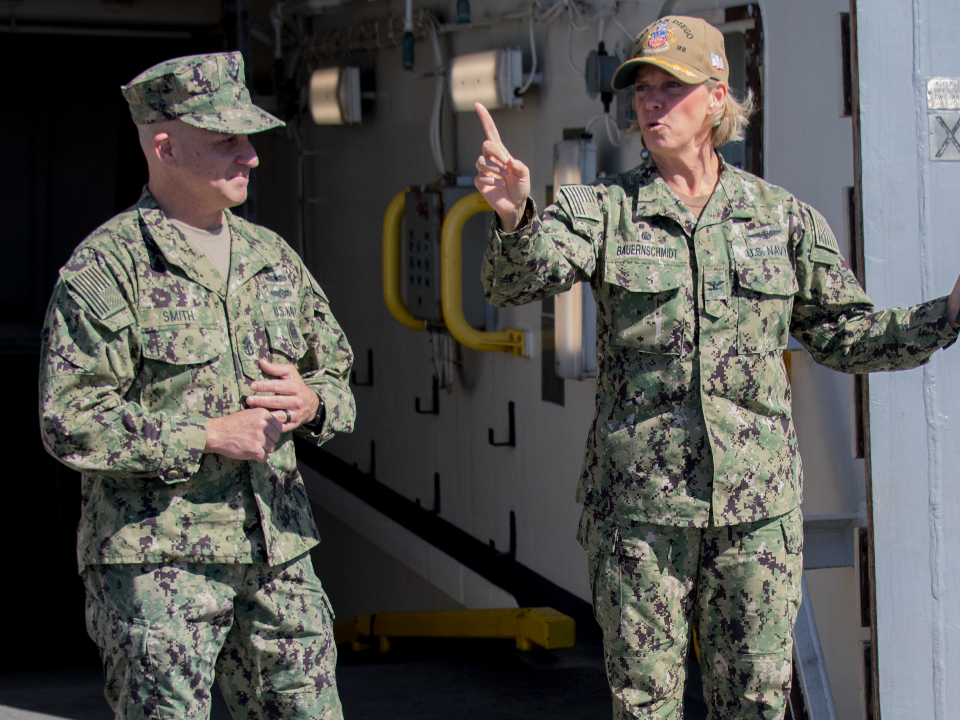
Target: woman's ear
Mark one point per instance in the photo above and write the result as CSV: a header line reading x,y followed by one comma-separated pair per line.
x,y
719,96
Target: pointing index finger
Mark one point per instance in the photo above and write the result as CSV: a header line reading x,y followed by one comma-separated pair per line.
x,y
489,126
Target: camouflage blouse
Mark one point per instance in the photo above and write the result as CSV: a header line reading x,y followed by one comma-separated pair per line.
x,y
143,343
693,422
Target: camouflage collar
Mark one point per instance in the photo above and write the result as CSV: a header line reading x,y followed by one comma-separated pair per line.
x,y
248,254
654,197
732,184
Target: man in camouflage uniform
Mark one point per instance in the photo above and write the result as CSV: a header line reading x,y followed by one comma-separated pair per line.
x,y
175,386
691,484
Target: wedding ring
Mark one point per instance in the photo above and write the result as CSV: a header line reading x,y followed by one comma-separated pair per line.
x,y
289,416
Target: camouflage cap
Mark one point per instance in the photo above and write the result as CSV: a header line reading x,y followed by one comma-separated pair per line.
x,y
206,91
689,48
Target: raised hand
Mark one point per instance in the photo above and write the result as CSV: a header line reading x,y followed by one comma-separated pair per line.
x,y
503,180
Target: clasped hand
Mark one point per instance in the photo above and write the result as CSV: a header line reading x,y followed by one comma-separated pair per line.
x,y
253,434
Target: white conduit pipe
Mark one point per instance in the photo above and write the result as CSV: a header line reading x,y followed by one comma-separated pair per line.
x,y
613,132
436,145
625,31
533,64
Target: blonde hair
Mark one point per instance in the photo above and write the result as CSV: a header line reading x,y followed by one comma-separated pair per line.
x,y
730,121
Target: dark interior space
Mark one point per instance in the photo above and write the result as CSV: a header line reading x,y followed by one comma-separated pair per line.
x,y
71,161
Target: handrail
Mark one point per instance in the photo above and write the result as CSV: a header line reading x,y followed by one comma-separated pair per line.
x,y
451,283
392,251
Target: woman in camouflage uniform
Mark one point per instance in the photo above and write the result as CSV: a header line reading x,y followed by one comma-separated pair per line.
x,y
691,483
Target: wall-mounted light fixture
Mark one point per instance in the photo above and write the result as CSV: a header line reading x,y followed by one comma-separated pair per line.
x,y
492,78
335,96
575,163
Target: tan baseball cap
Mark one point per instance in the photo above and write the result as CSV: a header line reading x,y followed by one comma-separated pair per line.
x,y
689,48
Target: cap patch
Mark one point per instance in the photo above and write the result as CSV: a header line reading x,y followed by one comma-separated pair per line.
x,y
716,61
659,39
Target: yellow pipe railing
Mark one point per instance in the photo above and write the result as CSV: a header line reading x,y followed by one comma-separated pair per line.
x,y
451,283
392,228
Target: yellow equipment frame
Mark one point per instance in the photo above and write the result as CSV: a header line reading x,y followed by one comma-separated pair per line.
x,y
542,626
451,284
392,254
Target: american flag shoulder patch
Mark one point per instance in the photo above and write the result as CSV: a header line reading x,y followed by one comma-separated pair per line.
x,y
824,234
97,290
582,201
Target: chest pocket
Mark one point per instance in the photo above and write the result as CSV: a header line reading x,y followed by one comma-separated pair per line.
x,y
648,305
277,339
181,349
181,335
765,290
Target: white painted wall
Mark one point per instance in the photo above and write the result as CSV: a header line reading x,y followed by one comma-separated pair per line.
x,y
443,572
911,216
359,169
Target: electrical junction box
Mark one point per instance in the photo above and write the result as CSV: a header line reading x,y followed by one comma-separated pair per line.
x,y
491,77
424,212
422,220
510,77
598,73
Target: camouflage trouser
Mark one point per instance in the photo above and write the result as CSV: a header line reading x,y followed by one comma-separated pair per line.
x,y
738,586
165,630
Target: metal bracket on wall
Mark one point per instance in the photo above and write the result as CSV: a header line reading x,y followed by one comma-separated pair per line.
x,y
435,408
512,442
373,461
512,552
436,496
369,382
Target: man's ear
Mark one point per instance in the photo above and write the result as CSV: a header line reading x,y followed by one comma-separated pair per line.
x,y
163,148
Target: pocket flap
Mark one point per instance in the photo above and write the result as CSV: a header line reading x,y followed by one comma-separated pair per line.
x,y
792,526
183,344
647,276
285,337
768,277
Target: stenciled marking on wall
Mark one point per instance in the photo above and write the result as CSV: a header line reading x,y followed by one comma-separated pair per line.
x,y
943,94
